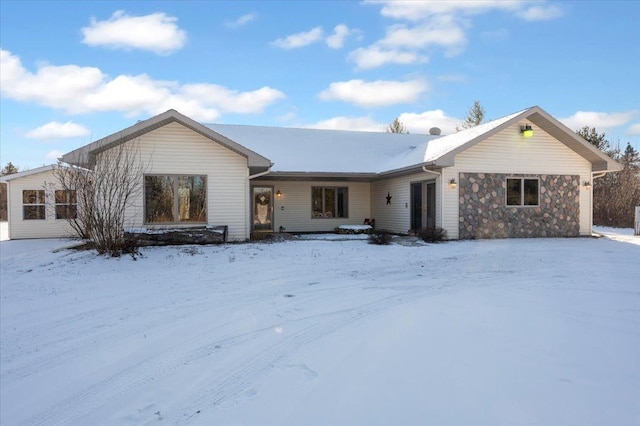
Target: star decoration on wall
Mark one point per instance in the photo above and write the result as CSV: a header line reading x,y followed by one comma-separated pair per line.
x,y
388,198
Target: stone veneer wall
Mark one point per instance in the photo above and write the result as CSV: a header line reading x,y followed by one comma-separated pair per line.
x,y
484,212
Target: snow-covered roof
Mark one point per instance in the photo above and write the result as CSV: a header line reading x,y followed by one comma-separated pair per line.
x,y
430,151
295,150
346,151
29,172
323,151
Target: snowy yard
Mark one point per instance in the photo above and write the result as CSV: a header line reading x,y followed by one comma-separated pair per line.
x,y
317,332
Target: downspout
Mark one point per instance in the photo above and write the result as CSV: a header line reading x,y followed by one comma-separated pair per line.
x,y
424,169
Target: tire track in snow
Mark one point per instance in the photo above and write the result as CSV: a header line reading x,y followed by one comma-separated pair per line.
x,y
72,339
217,392
150,368
232,385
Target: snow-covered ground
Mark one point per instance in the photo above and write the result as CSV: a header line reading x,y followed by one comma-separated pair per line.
x,y
318,332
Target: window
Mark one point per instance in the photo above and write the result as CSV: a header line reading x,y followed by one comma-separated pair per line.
x,y
33,207
522,192
175,199
66,204
329,202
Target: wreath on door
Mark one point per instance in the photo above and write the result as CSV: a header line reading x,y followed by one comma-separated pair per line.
x,y
262,200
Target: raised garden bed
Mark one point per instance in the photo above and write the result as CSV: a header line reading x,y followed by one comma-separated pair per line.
x,y
142,237
354,229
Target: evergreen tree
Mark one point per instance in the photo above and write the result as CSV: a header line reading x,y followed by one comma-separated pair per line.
x,y
9,169
599,140
475,116
396,126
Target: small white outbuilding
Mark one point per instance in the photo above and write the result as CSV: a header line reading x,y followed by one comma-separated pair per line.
x,y
36,206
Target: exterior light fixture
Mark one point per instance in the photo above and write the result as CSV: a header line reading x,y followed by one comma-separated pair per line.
x,y
278,194
452,183
526,131
587,185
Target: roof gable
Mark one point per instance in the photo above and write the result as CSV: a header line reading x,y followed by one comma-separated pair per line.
x,y
445,149
81,156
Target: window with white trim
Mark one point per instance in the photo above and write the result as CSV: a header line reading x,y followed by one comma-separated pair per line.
x,y
66,204
329,202
523,192
33,204
175,199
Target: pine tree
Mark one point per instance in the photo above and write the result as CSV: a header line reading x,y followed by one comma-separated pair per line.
x,y
599,140
396,126
9,169
475,116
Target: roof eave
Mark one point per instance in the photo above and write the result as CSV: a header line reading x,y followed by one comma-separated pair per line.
x,y
318,176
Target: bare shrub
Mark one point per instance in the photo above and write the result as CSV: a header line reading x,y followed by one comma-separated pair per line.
x,y
104,191
432,235
380,237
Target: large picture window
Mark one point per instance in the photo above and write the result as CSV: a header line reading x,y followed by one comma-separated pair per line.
x,y
523,192
329,202
66,204
175,199
33,204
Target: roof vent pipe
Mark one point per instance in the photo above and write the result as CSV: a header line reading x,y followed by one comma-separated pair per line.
x,y
435,131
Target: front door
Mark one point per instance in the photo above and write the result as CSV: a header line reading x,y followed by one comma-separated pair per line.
x,y
262,208
423,205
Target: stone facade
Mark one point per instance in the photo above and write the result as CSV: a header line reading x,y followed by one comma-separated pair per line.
x,y
484,212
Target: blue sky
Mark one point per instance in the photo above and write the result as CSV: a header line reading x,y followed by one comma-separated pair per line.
x,y
73,72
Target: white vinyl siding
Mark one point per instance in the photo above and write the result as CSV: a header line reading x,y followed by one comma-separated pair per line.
x,y
50,227
176,150
508,152
293,209
396,216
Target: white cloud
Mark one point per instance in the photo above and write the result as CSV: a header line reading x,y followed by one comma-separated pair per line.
x,y
156,32
441,31
375,56
634,130
52,156
341,32
374,93
422,122
348,123
439,24
241,21
55,130
79,90
414,123
231,100
599,120
419,10
300,39
541,13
